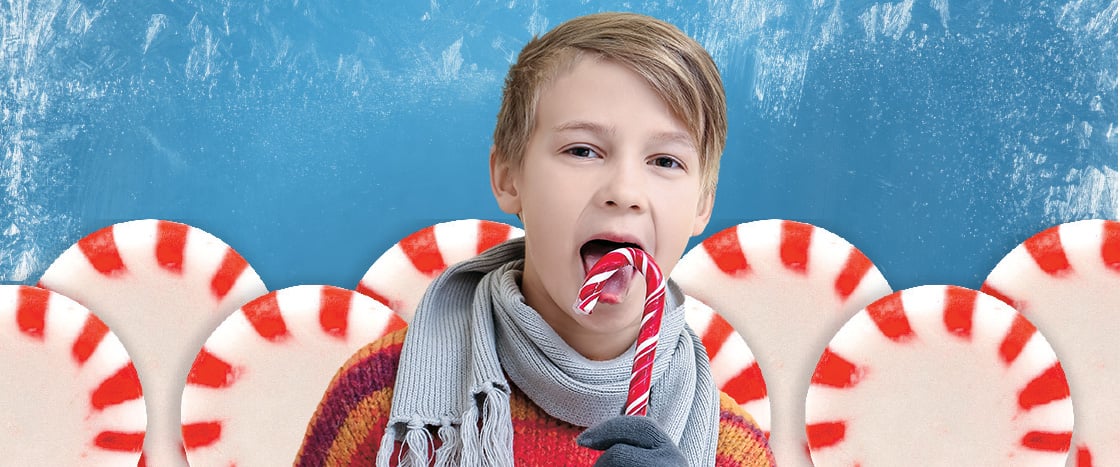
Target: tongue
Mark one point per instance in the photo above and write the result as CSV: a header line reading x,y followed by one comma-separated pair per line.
x,y
615,288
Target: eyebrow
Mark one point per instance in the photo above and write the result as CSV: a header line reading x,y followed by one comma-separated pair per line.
x,y
582,125
605,131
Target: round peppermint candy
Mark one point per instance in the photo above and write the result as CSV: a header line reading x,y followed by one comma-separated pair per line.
x,y
162,287
69,392
938,375
786,287
1066,279
257,381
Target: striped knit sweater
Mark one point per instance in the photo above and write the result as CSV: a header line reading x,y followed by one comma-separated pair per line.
x,y
350,421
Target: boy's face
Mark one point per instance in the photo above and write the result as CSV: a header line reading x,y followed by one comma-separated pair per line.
x,y
607,164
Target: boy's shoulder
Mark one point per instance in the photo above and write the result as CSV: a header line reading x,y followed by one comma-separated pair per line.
x,y
382,352
370,370
354,410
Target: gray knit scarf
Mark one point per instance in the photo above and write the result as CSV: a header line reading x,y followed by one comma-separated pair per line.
x,y
473,322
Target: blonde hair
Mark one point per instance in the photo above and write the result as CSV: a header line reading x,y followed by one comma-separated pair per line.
x,y
675,66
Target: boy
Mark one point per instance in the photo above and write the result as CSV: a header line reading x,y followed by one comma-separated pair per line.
x,y
609,134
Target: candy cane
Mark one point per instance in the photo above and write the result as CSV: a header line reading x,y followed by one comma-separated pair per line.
x,y
637,398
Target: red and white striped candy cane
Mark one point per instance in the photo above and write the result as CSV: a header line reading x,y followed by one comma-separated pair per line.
x,y
637,398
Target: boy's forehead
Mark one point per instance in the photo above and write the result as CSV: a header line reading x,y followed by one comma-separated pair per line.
x,y
563,65
566,107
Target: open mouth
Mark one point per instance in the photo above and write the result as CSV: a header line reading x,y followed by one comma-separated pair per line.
x,y
616,287
594,250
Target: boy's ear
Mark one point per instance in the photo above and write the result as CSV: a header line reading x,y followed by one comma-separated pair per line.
x,y
703,213
503,183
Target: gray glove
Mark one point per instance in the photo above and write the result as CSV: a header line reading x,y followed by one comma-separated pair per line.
x,y
631,441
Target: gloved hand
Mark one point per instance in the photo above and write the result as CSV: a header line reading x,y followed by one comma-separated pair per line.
x,y
631,441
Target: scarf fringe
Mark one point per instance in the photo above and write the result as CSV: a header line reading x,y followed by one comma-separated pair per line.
x,y
497,429
416,448
420,444
469,431
492,446
388,444
447,455
463,444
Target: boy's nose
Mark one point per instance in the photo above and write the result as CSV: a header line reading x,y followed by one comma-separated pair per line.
x,y
625,188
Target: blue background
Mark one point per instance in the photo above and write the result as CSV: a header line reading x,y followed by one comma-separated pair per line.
x,y
311,136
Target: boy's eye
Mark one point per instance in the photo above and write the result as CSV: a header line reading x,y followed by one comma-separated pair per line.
x,y
581,151
666,162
